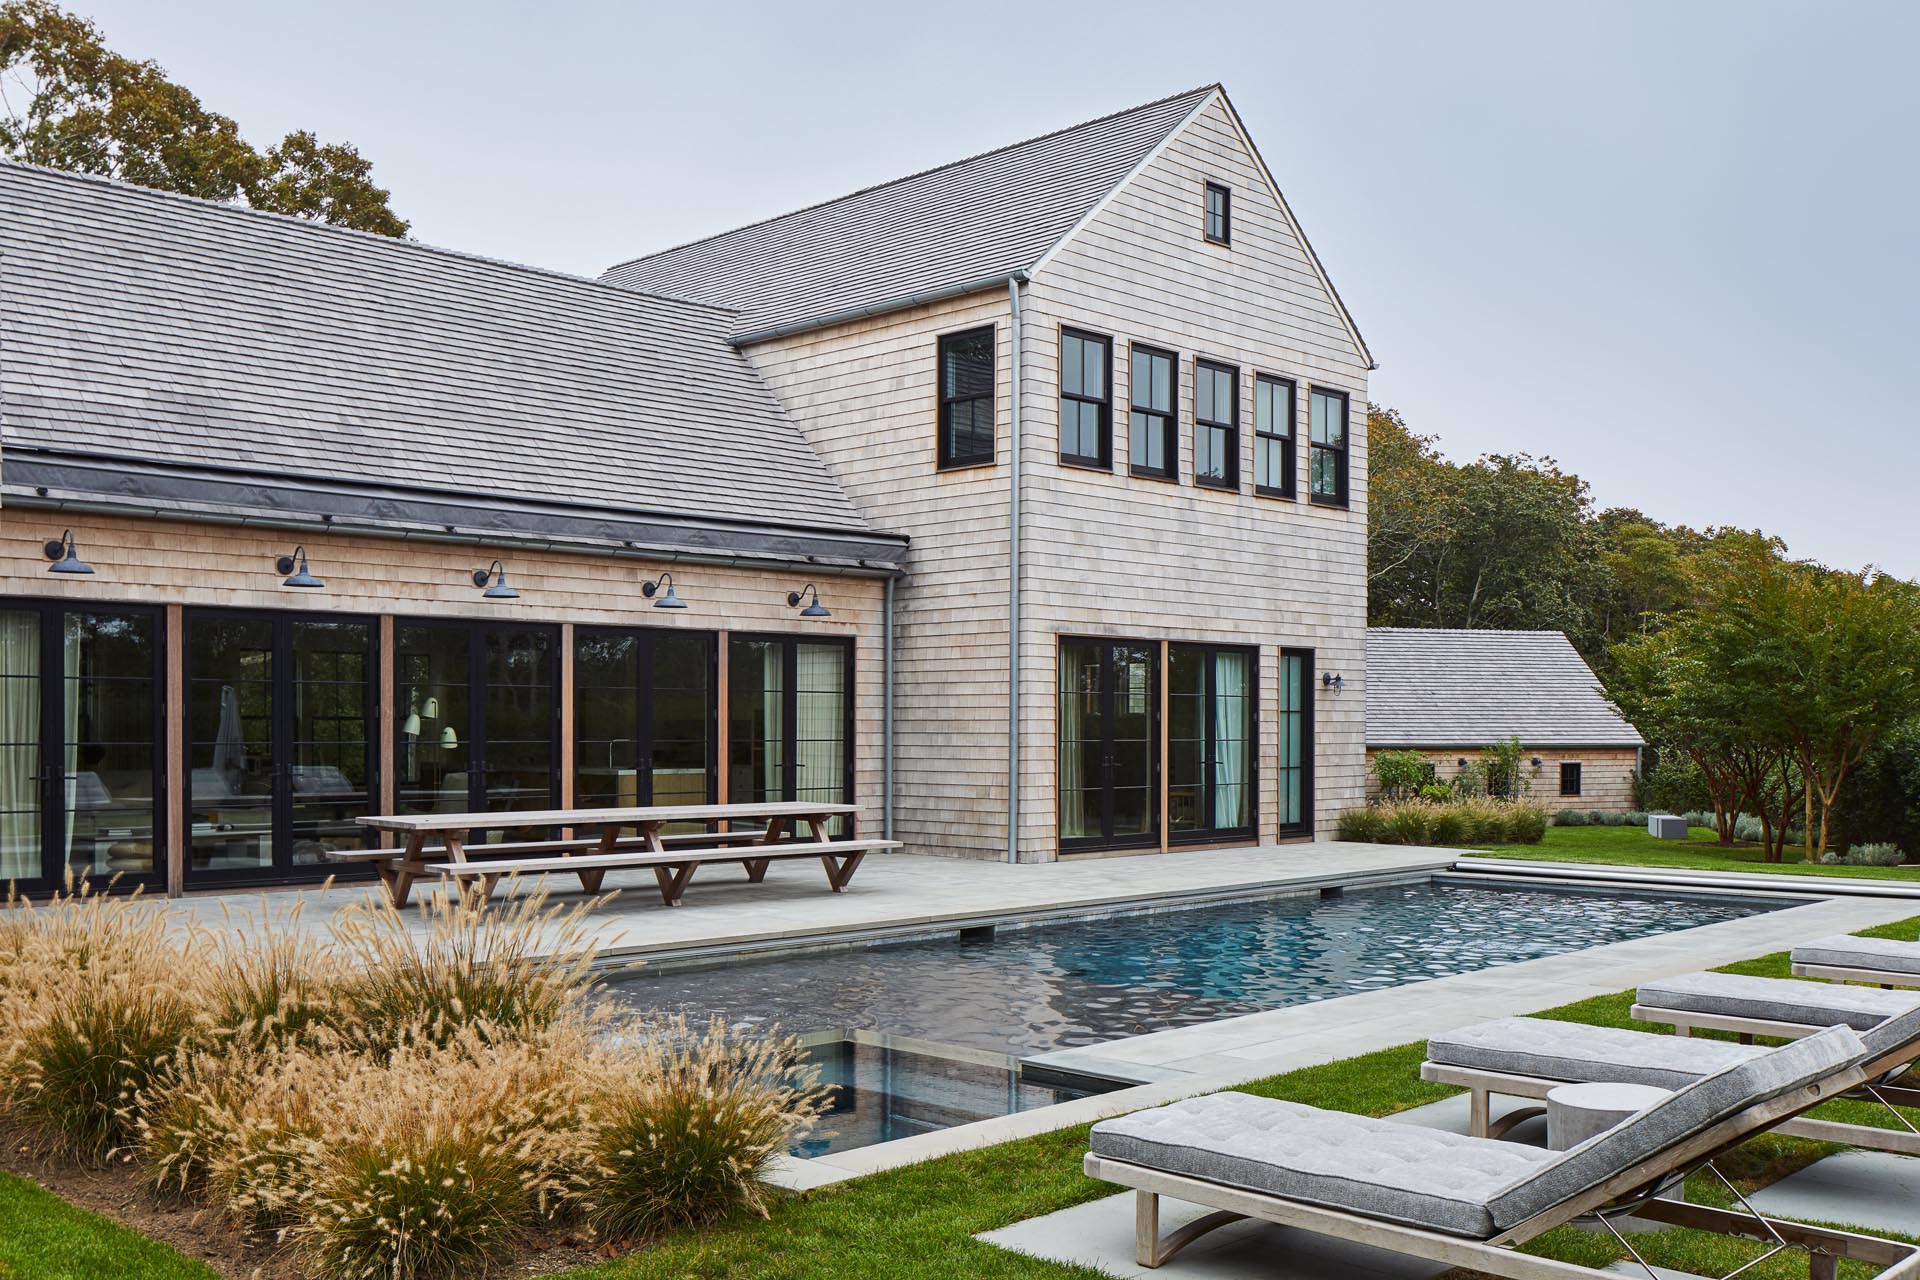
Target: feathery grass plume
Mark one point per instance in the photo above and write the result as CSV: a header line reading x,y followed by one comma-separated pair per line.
x,y
511,968
271,982
99,1000
687,1122
447,1155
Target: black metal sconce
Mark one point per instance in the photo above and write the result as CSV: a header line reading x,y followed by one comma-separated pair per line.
x,y
295,567
1536,762
494,578
666,601
1462,762
814,610
1333,680
65,558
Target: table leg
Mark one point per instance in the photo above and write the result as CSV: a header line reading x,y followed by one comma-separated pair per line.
x,y
590,881
399,877
673,882
757,869
840,870
456,842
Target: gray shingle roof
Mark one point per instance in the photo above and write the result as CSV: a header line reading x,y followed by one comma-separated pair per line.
x,y
880,248
1440,688
177,332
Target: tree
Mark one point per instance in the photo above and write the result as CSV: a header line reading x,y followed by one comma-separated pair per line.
x,y
69,102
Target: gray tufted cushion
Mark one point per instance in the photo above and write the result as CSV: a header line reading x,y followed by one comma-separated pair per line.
x,y
1545,1050
1847,952
1399,1172
1813,1004
1673,1119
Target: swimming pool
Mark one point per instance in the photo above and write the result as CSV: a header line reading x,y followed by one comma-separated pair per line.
x,y
1033,990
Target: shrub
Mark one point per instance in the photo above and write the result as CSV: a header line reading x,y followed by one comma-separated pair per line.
x,y
1874,855
1446,826
1401,773
1633,818
512,969
1364,825
1573,818
690,1122
1436,793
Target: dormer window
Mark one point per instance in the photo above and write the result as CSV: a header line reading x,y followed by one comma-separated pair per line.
x,y
1219,220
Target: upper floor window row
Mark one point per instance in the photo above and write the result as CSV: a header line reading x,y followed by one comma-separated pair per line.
x,y
966,398
1273,436
1329,463
1153,433
1216,425
1218,220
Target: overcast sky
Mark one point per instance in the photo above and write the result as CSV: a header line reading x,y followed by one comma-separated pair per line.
x,y
1673,245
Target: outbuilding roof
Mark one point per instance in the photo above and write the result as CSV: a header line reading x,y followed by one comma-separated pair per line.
x,y
923,236
1446,688
159,345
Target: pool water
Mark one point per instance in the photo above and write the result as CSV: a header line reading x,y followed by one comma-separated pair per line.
x,y
879,1093
1033,990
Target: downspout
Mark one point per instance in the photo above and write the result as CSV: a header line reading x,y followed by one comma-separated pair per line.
x,y
1013,598
886,711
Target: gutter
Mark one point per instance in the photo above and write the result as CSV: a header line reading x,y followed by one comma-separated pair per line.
x,y
848,314
1013,595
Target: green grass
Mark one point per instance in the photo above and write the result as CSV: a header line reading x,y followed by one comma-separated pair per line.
x,y
1632,846
918,1221
42,1237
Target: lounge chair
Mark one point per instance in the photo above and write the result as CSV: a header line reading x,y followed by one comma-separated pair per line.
x,y
1461,1201
1845,958
1528,1057
1751,1006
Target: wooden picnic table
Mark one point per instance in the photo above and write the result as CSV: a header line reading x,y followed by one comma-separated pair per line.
x,y
672,858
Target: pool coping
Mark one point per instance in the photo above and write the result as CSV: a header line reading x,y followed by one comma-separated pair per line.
x,y
1217,1055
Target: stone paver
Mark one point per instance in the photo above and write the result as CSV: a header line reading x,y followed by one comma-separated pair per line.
x,y
1870,1189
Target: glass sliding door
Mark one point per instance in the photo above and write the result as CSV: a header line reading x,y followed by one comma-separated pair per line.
x,y
1109,744
1296,742
477,720
790,721
644,717
1211,742
280,709
81,720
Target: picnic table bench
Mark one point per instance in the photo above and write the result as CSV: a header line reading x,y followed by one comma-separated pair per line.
x,y
673,858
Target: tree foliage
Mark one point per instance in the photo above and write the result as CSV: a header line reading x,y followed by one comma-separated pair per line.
x,y
69,102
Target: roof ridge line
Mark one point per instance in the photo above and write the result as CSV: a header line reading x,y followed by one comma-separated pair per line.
x,y
421,246
909,177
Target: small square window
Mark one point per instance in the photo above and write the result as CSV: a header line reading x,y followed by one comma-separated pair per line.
x,y
1570,778
1219,220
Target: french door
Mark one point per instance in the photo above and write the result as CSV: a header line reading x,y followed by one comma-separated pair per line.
x,y
790,721
1109,744
1211,742
280,744
82,714
477,717
1296,742
645,717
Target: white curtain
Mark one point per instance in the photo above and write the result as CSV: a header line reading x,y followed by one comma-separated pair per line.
x,y
1230,740
76,629
20,746
773,705
820,681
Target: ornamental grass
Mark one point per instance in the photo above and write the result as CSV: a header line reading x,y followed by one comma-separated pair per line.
x,y
397,1095
1461,823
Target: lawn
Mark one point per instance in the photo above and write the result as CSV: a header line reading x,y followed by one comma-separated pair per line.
x,y
919,1221
1632,846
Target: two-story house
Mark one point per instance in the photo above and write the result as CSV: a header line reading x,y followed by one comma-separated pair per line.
x,y
1020,502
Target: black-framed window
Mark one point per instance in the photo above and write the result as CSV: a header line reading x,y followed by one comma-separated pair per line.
x,y
1329,423
1296,742
82,743
966,398
1152,440
1109,744
1216,425
646,717
1212,740
476,717
281,715
1218,224
790,720
1273,436
1086,399
1570,777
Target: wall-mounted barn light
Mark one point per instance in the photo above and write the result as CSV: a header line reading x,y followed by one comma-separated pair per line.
x,y
664,586
494,578
295,567
65,558
1333,680
814,610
